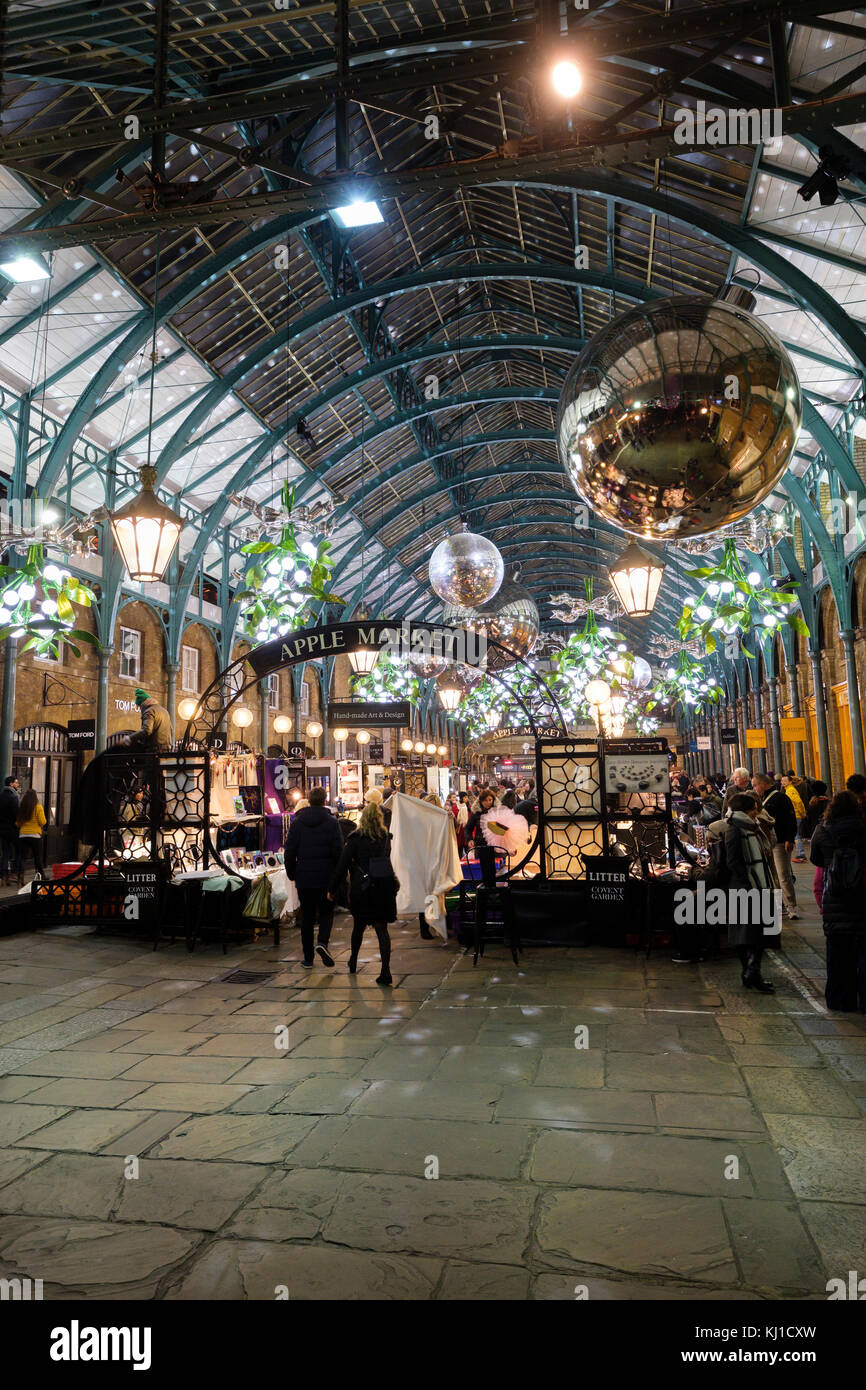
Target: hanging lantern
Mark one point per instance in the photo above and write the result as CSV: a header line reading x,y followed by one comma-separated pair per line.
x,y
364,659
187,707
431,749
442,750
242,715
407,745
466,569
420,746
146,532
636,577
362,737
679,417
450,692
282,724
314,728
341,735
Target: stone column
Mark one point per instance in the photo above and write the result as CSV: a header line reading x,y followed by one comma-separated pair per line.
x,y
847,636
171,670
796,713
7,710
103,660
775,729
742,721
264,715
821,717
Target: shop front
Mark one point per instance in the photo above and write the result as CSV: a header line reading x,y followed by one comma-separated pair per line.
x,y
42,759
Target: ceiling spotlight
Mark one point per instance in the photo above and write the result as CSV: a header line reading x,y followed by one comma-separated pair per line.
x,y
358,213
23,266
566,78
831,166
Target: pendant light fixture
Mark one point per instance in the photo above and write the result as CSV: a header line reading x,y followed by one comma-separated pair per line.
x,y
146,531
450,693
636,577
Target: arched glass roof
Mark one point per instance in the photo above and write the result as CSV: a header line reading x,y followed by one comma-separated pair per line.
x,y
172,152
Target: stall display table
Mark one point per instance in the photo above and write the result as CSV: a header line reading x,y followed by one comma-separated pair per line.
x,y
232,889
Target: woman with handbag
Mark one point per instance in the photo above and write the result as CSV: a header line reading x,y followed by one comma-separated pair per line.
x,y
373,886
750,865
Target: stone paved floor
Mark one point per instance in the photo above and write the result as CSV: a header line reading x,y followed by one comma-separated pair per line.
x,y
261,1167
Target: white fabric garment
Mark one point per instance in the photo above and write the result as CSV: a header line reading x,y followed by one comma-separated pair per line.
x,y
425,858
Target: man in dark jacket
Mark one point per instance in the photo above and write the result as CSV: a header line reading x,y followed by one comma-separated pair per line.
x,y
8,827
839,848
313,850
776,803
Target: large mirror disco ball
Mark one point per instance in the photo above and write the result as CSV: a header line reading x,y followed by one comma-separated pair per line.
x,y
466,569
426,664
510,618
678,418
641,673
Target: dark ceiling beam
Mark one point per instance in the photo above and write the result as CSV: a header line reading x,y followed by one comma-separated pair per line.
x,y
557,170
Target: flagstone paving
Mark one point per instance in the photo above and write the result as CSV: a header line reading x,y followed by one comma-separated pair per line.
x,y
167,1132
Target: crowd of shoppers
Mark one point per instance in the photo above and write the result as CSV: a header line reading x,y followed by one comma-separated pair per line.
x,y
758,825
323,851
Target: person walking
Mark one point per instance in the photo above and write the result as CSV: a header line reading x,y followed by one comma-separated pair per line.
x,y
313,848
748,867
485,853
838,851
31,821
817,805
775,803
9,854
791,787
373,886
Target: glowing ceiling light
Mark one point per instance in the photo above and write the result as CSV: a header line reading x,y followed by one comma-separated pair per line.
x,y
566,78
360,212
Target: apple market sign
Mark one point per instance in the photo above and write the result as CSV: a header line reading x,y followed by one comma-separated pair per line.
x,y
399,640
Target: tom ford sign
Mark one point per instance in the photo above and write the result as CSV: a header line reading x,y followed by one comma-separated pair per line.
x,y
400,640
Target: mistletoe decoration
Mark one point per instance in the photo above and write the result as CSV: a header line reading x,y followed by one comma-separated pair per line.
x,y
389,680
284,577
735,603
593,651
687,684
37,603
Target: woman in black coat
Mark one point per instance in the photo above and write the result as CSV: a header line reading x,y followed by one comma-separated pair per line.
x,y
373,885
749,867
839,848
474,836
